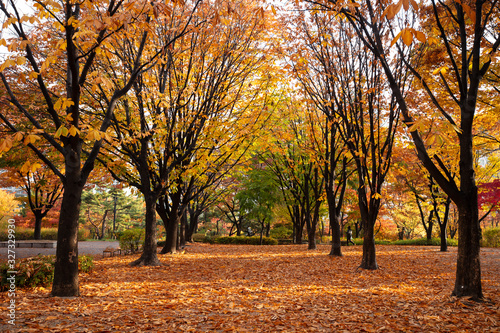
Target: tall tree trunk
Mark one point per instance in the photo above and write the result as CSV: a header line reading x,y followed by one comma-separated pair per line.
x,y
103,224
468,275
358,226
38,226
149,254
369,258
311,238
428,230
336,249
369,212
173,222
193,226
444,243
182,234
65,283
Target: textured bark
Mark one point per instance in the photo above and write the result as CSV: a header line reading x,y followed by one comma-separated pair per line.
x,y
38,227
336,249
149,254
65,283
369,260
173,222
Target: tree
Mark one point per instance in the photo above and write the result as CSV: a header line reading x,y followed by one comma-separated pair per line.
x,y
141,155
470,41
43,189
367,120
59,56
258,197
315,75
218,86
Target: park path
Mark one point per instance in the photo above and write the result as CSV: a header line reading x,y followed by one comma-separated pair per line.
x,y
85,247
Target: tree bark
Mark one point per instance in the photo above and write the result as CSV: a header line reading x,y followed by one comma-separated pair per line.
x,y
369,260
65,283
336,249
38,227
149,254
182,234
468,274
173,222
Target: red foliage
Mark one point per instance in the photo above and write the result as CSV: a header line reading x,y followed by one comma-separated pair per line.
x,y
489,195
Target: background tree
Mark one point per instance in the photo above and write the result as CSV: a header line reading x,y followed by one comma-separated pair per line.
x,y
313,59
43,189
258,197
109,210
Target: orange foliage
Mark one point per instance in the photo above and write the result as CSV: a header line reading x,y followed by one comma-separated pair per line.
x,y
215,288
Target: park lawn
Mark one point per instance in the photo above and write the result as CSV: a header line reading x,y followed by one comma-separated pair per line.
x,y
230,288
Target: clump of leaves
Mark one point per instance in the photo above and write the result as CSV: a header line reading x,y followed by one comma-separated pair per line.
x,y
37,271
132,239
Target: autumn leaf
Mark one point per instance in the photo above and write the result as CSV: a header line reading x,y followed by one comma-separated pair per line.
x,y
271,288
407,37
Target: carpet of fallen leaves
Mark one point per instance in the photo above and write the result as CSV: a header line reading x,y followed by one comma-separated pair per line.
x,y
223,288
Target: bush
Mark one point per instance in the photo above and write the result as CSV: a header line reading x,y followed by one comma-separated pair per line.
x,y
491,237
37,271
198,237
243,240
29,234
425,241
281,232
85,264
131,239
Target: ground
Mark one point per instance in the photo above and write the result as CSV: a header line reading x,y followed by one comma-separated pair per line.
x,y
223,288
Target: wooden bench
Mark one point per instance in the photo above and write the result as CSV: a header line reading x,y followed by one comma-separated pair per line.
x,y
111,251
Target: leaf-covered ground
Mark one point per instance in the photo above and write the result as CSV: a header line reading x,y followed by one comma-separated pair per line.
x,y
222,288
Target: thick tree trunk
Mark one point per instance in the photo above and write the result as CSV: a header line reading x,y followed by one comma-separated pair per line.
x,y
357,228
311,238
428,230
182,234
468,275
173,222
193,226
38,227
444,243
149,254
65,283
336,249
369,259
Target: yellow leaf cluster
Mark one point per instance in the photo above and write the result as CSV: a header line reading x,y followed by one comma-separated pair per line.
x,y
29,167
407,35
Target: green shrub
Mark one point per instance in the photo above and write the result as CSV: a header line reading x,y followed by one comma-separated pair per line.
x,y
132,239
49,234
85,263
198,237
29,234
243,240
491,237
281,232
37,271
